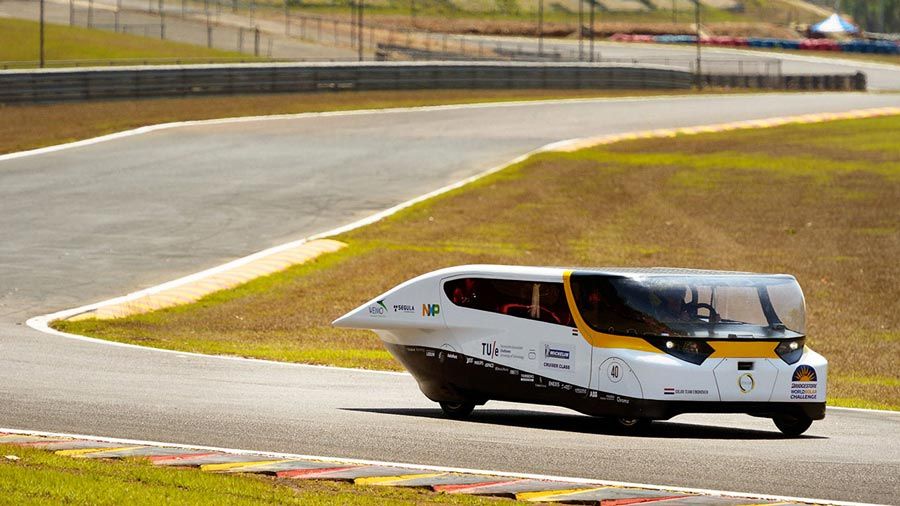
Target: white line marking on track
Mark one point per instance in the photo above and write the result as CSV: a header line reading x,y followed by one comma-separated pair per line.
x,y
405,465
357,112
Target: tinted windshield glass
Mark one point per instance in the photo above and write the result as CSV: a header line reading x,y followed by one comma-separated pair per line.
x,y
691,306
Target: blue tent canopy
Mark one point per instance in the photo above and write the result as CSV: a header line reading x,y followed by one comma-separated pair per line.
x,y
834,24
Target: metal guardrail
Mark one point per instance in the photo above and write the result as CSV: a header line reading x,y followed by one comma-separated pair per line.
x,y
57,85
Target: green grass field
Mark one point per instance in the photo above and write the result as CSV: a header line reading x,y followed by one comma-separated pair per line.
x,y
19,41
37,476
820,201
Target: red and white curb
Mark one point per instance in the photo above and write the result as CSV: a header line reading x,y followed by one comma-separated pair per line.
x,y
519,486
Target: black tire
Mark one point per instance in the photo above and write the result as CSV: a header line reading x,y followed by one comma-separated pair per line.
x,y
633,424
457,410
792,425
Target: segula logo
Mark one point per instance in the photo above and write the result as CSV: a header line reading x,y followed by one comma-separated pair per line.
x,y
804,374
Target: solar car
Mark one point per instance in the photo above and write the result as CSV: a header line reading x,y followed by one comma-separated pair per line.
x,y
635,345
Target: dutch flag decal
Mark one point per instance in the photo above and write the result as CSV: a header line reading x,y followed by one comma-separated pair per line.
x,y
669,391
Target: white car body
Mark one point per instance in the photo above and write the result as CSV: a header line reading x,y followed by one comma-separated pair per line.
x,y
544,350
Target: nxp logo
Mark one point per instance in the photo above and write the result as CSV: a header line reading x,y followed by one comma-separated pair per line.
x,y
431,309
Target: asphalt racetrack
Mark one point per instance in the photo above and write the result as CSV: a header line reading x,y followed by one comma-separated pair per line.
x,y
89,223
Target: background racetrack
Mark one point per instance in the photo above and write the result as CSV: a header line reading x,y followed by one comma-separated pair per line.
x,y
92,222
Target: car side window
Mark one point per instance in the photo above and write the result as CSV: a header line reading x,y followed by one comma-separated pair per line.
x,y
532,300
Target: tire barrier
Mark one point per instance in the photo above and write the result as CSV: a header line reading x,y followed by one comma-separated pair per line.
x,y
60,85
67,85
850,46
814,82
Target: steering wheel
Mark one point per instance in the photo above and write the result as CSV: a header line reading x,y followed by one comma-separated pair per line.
x,y
713,315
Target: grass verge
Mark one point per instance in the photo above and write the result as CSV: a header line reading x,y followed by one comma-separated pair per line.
x,y
41,477
818,201
19,41
32,126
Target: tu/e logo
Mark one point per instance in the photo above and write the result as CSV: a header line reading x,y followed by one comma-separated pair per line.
x,y
490,349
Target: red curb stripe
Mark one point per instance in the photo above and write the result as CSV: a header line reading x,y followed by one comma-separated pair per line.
x,y
39,443
473,486
308,473
184,456
637,500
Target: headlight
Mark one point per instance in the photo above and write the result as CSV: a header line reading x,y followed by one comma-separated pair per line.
x,y
690,350
790,350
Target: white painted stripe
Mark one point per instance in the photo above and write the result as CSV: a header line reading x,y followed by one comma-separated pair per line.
x,y
404,465
358,112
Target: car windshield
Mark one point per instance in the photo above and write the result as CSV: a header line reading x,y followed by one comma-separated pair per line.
x,y
716,306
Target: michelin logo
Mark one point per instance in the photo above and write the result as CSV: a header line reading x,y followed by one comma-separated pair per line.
x,y
557,357
555,353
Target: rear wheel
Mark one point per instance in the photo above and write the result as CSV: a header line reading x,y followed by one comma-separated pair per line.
x,y
792,425
457,410
633,424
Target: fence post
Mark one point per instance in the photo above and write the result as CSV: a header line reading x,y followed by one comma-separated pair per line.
x,y
256,41
71,12
287,19
240,41
318,29
162,19
859,81
90,19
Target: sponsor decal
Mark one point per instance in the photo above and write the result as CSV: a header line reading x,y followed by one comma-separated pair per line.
x,y
581,391
804,383
527,377
746,383
557,357
479,362
494,350
554,384
469,360
555,353
593,394
454,356
489,349
429,353
804,374
684,391
404,308
431,309
378,309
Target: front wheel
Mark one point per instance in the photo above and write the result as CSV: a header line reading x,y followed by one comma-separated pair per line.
x,y
792,425
457,410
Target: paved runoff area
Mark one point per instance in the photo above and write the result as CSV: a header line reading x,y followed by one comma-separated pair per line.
x,y
450,482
